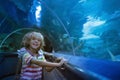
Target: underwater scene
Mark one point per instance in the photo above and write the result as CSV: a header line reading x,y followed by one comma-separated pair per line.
x,y
82,31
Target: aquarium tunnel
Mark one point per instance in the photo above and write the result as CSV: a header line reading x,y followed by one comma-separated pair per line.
x,y
84,32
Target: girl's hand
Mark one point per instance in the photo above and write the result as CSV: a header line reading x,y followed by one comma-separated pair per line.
x,y
62,61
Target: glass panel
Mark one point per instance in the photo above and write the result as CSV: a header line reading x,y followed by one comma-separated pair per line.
x,y
88,28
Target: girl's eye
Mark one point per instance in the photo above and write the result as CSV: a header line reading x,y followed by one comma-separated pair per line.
x,y
39,40
34,38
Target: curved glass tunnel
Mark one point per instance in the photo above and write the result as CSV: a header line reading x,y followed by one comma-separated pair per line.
x,y
85,32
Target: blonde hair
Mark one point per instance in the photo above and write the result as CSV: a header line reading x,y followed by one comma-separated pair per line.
x,y
26,39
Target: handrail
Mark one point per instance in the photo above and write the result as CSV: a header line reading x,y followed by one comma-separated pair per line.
x,y
71,72
92,68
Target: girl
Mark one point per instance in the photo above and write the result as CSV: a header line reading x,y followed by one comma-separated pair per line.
x,y
33,59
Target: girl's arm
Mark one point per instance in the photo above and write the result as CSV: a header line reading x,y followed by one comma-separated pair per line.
x,y
48,54
49,69
46,63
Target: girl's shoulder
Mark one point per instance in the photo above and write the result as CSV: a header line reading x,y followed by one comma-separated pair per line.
x,y
41,52
22,52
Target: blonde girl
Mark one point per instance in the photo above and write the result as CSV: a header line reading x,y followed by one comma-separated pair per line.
x,y
33,59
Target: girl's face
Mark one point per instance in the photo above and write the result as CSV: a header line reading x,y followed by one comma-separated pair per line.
x,y
35,43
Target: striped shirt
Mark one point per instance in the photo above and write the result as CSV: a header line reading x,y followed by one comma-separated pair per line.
x,y
31,71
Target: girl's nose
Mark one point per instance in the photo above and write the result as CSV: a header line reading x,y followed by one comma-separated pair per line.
x,y
36,40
